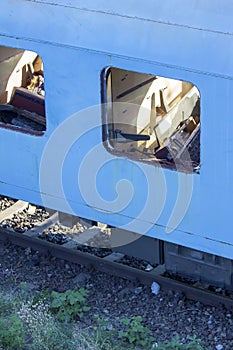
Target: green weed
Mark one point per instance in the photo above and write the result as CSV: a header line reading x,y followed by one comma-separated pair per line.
x,y
11,333
70,305
135,333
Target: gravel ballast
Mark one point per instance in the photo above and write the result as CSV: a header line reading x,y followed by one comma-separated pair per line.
x,y
166,313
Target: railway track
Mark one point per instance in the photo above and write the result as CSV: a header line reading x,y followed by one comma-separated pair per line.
x,y
109,263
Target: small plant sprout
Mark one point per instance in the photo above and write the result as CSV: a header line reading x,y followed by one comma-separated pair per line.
x,y
135,333
70,305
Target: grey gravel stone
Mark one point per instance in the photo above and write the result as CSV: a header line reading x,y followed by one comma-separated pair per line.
x,y
138,290
81,278
219,347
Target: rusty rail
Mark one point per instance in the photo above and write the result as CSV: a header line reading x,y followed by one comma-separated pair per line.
x,y
115,268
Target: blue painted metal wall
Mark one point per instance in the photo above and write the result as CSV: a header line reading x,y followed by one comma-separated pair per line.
x,y
190,41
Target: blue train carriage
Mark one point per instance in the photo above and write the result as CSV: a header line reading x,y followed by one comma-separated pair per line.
x,y
120,112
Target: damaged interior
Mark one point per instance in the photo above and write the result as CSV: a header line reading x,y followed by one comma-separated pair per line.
x,y
22,105
152,118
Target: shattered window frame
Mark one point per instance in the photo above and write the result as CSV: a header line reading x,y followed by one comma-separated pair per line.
x,y
22,95
151,119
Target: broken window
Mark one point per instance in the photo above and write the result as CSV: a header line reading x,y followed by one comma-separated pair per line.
x,y
151,118
22,105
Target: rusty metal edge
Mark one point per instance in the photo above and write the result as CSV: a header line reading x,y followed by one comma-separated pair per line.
x,y
114,268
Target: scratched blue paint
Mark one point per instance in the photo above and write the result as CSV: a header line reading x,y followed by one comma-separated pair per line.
x,y
191,41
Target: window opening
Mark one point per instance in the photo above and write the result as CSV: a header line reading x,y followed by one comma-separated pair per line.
x,y
22,105
151,118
